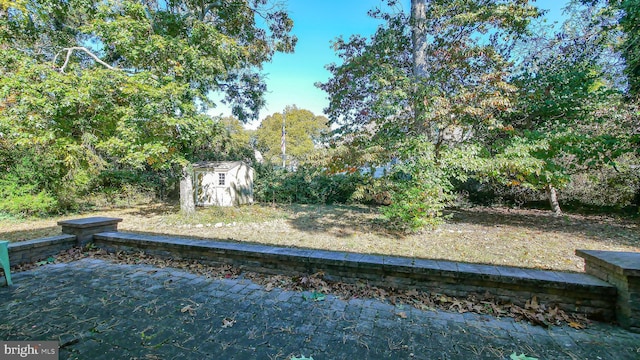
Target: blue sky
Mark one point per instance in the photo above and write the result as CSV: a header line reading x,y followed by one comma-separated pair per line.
x,y
291,77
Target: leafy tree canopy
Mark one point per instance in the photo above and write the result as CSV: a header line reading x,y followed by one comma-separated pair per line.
x,y
304,132
569,114
472,88
630,46
422,92
91,85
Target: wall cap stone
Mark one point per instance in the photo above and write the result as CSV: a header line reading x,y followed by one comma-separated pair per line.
x,y
89,222
41,242
624,263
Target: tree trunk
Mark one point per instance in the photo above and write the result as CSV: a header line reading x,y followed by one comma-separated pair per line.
x,y
419,37
553,200
187,202
420,68
636,200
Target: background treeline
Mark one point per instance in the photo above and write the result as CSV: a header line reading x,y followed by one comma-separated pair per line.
x,y
459,101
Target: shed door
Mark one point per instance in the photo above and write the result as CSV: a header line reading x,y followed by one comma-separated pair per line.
x,y
223,191
202,188
212,188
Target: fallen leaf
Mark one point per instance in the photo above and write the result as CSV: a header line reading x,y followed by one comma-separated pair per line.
x,y
269,287
532,304
188,308
576,325
227,323
317,287
402,315
413,292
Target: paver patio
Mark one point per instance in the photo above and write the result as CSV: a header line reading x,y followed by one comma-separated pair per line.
x,y
100,310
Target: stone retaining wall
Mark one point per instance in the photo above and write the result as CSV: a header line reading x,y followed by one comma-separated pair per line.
x,y
23,252
573,292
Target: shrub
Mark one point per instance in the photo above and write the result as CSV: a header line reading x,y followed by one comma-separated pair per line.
x,y
18,199
306,185
419,191
605,187
127,186
491,193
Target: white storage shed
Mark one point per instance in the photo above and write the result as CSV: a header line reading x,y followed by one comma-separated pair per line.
x,y
223,183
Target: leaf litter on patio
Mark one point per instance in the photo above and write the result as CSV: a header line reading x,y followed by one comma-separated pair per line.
x,y
315,287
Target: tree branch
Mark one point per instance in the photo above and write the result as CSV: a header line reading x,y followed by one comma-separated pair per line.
x,y
81,48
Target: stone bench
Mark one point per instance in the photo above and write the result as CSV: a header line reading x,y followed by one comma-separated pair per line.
x,y
85,228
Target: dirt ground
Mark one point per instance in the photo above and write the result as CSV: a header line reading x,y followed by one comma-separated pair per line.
x,y
501,236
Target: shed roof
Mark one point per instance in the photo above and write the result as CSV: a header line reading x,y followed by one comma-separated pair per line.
x,y
218,165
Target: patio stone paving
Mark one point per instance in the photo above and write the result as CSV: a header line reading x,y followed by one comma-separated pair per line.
x,y
101,310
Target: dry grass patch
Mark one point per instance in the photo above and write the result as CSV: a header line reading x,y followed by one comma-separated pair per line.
x,y
526,238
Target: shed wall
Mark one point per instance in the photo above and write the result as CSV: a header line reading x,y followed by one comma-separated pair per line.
x,y
237,188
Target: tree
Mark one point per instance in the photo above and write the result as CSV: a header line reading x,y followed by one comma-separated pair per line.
x,y
426,87
228,141
237,133
630,47
566,116
304,132
630,50
124,84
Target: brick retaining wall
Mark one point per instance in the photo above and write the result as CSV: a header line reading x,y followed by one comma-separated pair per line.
x,y
23,252
573,292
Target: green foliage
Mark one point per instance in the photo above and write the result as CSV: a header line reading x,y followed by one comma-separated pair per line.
x,y
238,137
423,92
462,84
124,185
123,86
306,185
606,187
521,110
17,199
569,116
25,186
303,129
630,47
419,187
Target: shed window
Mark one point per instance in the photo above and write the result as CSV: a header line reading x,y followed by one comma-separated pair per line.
x,y
221,179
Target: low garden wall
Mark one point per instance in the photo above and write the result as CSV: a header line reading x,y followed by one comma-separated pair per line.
x,y
30,251
573,292
605,292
